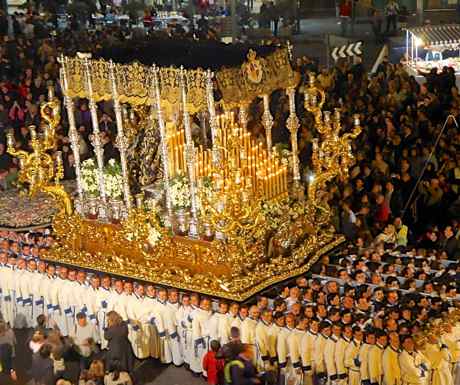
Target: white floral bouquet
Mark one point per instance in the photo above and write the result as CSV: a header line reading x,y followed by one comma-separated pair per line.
x,y
113,180
89,178
179,192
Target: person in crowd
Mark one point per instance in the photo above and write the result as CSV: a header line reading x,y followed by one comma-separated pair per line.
x,y
212,365
117,376
42,371
119,347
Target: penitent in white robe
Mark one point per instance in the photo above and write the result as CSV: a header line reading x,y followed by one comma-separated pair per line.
x,y
200,339
439,359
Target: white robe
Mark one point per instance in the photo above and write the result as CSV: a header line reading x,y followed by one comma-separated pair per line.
x,y
104,304
439,359
48,305
157,335
375,364
308,342
200,337
219,328
351,361
412,372
38,306
320,365
262,338
283,352
295,348
24,299
342,371
8,298
63,307
139,331
181,321
363,358
173,338
390,366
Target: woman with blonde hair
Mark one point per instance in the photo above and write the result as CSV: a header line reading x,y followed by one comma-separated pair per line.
x,y
119,347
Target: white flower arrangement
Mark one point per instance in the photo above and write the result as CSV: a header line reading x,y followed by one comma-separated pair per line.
x,y
89,178
179,192
154,236
113,181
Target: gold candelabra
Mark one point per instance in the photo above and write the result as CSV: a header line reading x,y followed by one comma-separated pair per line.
x,y
332,156
37,168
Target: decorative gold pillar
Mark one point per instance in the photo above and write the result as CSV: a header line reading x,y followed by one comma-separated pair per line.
x,y
190,157
163,144
267,121
212,119
73,134
121,141
292,124
96,141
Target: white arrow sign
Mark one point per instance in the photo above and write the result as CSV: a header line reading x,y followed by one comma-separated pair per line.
x,y
348,50
334,53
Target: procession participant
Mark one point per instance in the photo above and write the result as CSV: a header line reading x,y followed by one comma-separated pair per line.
x,y
233,313
320,344
195,305
439,358
414,366
200,335
104,304
22,295
62,300
275,329
297,351
390,363
375,358
308,342
170,324
47,291
157,333
138,323
92,302
3,262
162,298
243,313
38,307
219,327
248,327
352,357
29,290
81,293
363,356
340,348
329,353
452,340
118,299
262,340
181,320
7,285
282,347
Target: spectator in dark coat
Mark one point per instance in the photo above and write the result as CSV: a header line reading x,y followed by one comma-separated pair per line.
x,y
242,371
119,348
7,373
42,370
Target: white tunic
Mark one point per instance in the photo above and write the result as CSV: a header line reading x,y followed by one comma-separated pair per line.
x,y
390,366
200,336
352,362
439,359
412,372
340,348
375,364
262,338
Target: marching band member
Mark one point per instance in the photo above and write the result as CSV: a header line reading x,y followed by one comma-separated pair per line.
x,y
376,357
262,336
340,347
414,366
200,335
390,363
170,323
352,357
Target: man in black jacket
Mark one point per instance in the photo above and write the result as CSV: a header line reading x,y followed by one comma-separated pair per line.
x,y
241,370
